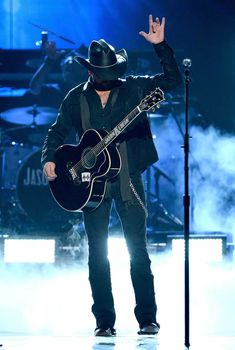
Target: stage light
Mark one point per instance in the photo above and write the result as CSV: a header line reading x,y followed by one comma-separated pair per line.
x,y
29,250
117,250
200,250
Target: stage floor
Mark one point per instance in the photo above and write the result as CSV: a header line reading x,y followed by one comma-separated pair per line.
x,y
48,307
120,342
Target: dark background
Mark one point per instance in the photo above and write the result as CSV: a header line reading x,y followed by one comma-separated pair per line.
x,y
200,30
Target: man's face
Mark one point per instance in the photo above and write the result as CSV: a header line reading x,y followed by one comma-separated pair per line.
x,y
97,79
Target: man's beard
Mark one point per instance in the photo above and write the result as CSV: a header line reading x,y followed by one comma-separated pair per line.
x,y
105,85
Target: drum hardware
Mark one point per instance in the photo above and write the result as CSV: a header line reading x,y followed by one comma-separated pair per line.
x,y
44,39
157,173
72,241
162,220
159,217
30,116
4,139
32,134
46,31
31,123
16,129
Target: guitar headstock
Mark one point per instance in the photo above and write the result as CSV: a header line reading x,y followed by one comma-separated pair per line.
x,y
151,100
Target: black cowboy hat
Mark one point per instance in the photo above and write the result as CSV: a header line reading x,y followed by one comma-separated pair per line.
x,y
104,61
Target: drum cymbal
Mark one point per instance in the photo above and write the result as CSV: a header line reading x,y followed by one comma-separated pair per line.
x,y
31,115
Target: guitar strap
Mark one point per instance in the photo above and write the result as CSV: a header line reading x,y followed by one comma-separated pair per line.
x,y
124,176
85,111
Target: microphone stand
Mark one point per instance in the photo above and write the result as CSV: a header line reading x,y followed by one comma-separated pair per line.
x,y
186,200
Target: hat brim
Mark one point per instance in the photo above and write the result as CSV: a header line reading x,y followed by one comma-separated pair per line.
x,y
111,72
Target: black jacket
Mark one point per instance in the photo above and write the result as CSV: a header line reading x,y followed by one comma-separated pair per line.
x,y
141,151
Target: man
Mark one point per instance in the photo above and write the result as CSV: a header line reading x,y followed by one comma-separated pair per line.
x,y
101,103
48,94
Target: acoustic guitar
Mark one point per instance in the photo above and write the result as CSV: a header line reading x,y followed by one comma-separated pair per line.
x,y
84,169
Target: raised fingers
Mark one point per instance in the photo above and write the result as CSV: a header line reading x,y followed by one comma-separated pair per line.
x,y
154,25
163,22
150,23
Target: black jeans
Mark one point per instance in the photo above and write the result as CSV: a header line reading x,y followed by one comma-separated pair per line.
x,y
134,227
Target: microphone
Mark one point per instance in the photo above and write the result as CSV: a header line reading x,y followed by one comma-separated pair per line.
x,y
187,62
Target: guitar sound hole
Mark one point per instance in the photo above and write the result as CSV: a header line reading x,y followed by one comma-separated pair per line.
x,y
88,158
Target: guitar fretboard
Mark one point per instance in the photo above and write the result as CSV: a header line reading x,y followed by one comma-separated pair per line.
x,y
114,133
148,102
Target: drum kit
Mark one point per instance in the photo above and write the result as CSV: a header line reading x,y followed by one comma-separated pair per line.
x,y
26,201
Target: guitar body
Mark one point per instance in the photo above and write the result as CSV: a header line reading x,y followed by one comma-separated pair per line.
x,y
81,176
83,170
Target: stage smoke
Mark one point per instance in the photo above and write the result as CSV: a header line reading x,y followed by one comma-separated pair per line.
x,y
212,180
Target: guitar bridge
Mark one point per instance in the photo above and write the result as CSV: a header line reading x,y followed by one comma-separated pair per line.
x,y
73,173
75,177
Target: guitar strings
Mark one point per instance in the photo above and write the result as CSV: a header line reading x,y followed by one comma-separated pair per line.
x,y
97,148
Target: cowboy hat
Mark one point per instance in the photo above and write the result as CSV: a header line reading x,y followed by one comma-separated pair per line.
x,y
104,61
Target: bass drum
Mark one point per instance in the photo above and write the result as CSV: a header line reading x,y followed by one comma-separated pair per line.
x,y
34,196
12,159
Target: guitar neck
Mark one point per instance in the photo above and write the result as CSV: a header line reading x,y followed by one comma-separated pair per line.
x,y
154,98
115,132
